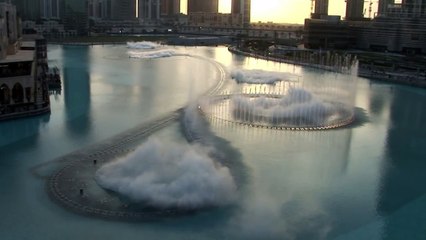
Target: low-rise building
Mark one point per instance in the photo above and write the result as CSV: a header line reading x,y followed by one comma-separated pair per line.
x,y
407,35
48,28
328,33
23,64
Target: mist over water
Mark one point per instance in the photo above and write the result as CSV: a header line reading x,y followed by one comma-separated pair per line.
x,y
169,175
151,54
148,50
297,104
142,45
260,76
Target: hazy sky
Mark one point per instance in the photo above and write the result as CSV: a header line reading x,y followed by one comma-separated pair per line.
x,y
285,11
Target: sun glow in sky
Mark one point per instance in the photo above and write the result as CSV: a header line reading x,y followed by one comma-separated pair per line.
x,y
285,11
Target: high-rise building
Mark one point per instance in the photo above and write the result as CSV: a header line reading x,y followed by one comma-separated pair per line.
x,y
415,7
405,9
149,9
242,7
123,9
99,9
49,9
27,9
383,6
75,16
206,6
170,8
321,9
9,30
354,9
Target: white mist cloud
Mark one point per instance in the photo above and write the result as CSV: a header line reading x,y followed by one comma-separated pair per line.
x,y
142,45
265,217
260,76
168,175
148,50
298,104
151,54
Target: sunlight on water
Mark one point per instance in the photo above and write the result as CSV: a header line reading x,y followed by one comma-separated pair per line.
x,y
358,182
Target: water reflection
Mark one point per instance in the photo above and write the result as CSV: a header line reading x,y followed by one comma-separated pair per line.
x,y
404,180
300,185
76,79
21,131
292,175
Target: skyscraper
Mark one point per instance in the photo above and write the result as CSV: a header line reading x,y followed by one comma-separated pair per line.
x,y
321,8
415,7
50,9
75,16
27,9
99,9
411,8
206,6
123,9
354,9
149,9
170,8
242,7
383,6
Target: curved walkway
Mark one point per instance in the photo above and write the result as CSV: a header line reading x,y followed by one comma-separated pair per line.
x,y
74,186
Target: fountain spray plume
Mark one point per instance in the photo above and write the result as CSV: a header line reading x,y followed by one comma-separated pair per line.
x,y
169,175
259,76
266,99
142,45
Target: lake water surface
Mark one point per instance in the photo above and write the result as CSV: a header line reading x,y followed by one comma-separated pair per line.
x,y
367,181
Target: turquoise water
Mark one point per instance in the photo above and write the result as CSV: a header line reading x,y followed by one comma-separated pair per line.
x,y
363,182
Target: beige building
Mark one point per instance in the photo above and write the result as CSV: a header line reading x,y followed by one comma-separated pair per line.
x,y
9,33
23,65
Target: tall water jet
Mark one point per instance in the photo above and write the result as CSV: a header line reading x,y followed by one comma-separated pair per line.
x,y
283,101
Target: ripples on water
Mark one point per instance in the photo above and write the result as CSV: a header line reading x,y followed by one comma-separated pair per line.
x,y
363,182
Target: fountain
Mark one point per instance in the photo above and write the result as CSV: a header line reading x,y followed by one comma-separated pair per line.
x,y
286,101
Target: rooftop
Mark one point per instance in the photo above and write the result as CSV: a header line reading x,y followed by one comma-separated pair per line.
x,y
28,44
20,56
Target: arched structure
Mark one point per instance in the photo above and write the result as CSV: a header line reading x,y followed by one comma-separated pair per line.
x,y
18,93
4,94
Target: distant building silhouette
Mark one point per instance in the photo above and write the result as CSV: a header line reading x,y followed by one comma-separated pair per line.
x,y
170,8
75,16
398,27
50,9
210,6
27,9
123,9
99,9
154,10
354,10
149,9
321,9
383,6
242,7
